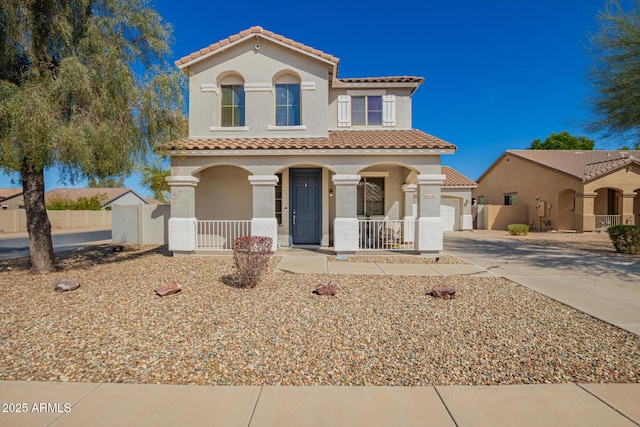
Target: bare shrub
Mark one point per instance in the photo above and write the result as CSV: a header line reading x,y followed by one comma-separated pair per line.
x,y
250,256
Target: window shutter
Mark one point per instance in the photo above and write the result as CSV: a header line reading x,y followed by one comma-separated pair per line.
x,y
344,110
388,110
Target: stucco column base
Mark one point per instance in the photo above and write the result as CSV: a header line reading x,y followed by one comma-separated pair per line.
x,y
183,236
409,229
467,222
589,222
429,236
267,227
345,235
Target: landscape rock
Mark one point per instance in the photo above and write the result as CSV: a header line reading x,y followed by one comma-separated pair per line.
x,y
64,285
444,291
327,288
117,248
169,288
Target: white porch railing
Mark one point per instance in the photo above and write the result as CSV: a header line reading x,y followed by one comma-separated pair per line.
x,y
385,234
217,235
606,221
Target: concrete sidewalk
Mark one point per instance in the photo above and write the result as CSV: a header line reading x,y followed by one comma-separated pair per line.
x,y
82,404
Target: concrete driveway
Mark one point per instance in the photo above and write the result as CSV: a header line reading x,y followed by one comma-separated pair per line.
x,y
604,286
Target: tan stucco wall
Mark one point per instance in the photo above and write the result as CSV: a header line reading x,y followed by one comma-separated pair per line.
x,y
15,220
258,67
498,217
224,192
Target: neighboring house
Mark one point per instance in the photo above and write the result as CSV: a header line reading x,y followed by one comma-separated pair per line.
x,y
565,190
280,146
10,198
111,196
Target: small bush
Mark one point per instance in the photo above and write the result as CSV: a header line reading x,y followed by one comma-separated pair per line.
x,y
518,229
625,238
250,256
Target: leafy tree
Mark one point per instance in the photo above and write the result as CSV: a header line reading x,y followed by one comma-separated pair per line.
x,y
636,146
562,141
85,87
154,178
106,182
616,72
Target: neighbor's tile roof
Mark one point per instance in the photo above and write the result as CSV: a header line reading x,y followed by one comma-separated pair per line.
x,y
585,165
455,178
254,30
6,193
365,139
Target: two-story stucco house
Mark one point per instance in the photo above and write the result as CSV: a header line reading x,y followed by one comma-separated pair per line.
x,y
280,146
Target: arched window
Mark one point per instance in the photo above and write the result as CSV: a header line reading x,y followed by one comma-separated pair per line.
x,y
232,107
288,102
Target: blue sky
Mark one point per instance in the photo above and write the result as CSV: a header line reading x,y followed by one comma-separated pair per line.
x,y
498,73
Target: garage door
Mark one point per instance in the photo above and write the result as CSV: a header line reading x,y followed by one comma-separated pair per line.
x,y
448,213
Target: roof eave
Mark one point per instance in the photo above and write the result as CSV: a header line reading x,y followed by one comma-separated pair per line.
x,y
186,65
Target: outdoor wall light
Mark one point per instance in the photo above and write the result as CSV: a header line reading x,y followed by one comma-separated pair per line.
x,y
331,192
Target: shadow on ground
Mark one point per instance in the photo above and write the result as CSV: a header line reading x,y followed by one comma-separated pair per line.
x,y
534,254
87,257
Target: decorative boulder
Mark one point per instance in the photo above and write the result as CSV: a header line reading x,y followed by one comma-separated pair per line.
x,y
117,248
444,291
327,288
64,285
169,288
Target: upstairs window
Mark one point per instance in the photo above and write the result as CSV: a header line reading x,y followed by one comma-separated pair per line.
x,y
510,199
366,111
288,104
232,106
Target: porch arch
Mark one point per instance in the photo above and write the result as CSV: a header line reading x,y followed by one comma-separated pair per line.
x,y
223,193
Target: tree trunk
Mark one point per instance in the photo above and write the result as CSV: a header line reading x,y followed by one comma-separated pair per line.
x,y
38,225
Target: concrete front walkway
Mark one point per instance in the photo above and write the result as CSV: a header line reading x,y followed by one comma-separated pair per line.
x,y
83,404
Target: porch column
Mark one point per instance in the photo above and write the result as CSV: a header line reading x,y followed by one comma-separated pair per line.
x,y
429,235
627,208
264,221
409,226
585,218
183,224
345,225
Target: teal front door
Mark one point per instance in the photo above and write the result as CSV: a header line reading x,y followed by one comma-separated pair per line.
x,y
306,206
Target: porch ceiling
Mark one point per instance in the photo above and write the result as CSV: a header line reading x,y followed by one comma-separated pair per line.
x,y
337,140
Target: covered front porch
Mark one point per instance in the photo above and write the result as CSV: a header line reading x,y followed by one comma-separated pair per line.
x,y
373,205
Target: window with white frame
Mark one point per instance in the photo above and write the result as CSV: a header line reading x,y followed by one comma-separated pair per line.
x,y
288,111
361,109
371,196
366,111
232,106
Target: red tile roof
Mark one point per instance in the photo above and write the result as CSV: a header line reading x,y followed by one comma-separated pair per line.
x,y
585,165
337,140
390,79
253,31
455,178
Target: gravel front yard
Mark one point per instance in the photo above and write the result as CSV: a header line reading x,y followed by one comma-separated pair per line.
x,y
379,330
